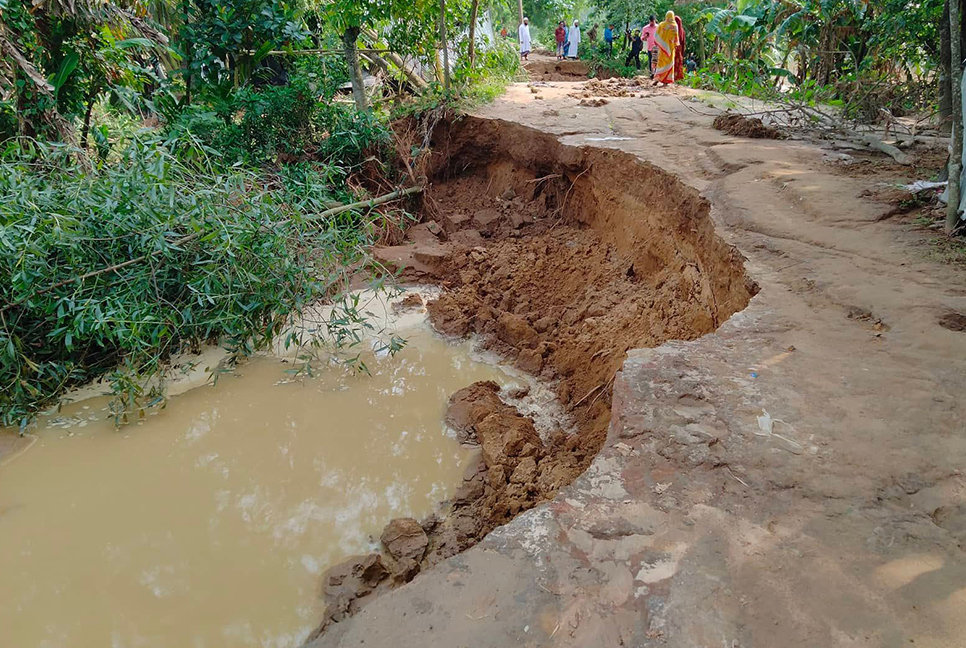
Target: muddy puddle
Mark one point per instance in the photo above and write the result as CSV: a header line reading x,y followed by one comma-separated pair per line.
x,y
209,523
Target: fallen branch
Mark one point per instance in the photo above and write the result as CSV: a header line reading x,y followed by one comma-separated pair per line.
x,y
369,204
812,115
397,61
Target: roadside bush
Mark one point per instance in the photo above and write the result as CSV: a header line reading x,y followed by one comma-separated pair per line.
x,y
496,65
276,124
107,273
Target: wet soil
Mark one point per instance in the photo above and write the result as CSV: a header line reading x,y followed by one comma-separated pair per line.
x,y
742,126
560,259
590,253
793,479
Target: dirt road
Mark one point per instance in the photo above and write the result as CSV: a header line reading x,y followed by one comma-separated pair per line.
x,y
833,512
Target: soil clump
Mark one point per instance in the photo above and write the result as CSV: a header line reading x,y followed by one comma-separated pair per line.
x,y
612,87
741,126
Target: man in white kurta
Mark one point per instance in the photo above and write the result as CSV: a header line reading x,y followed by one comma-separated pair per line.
x,y
573,41
524,33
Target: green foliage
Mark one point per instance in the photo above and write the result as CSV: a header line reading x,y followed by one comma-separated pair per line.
x,y
222,41
256,259
750,79
81,50
496,65
275,124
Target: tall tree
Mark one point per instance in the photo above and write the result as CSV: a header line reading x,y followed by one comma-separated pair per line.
x,y
474,17
350,38
956,155
350,17
443,43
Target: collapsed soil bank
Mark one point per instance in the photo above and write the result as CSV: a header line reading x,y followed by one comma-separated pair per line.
x,y
560,259
547,69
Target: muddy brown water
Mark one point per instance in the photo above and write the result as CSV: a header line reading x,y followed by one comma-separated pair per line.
x,y
209,523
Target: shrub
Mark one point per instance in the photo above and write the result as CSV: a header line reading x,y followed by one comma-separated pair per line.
x,y
192,253
276,124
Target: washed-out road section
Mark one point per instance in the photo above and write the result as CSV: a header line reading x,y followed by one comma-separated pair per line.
x,y
791,479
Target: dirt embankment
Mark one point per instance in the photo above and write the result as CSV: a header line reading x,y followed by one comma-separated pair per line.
x,y
567,70
590,252
560,259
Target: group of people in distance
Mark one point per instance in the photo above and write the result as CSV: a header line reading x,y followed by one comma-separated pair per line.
x,y
568,40
666,43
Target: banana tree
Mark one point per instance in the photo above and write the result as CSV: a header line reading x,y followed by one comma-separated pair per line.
x,y
744,29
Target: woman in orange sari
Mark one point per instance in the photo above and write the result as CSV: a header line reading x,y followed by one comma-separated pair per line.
x,y
666,40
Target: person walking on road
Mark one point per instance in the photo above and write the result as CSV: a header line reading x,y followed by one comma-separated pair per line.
x,y
647,35
679,53
667,45
560,35
636,46
573,40
524,34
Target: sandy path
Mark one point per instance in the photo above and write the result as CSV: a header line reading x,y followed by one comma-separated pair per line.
x,y
838,514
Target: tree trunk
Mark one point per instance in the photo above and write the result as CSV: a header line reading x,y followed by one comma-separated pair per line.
x,y
956,78
945,84
474,12
442,42
519,13
701,53
349,38
86,128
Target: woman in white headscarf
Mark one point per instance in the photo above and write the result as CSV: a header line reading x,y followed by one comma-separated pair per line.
x,y
524,34
573,40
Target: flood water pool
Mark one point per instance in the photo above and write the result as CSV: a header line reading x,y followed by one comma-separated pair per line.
x,y
208,524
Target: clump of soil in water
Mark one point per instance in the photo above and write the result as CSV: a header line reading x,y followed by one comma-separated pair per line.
x,y
741,126
560,259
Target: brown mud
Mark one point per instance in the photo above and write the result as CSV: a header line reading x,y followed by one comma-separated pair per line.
x,y
559,259
614,87
742,126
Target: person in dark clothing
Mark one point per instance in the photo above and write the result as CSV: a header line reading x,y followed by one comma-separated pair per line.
x,y
691,65
636,46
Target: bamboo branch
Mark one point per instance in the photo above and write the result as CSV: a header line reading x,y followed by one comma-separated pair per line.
x,y
396,60
369,204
